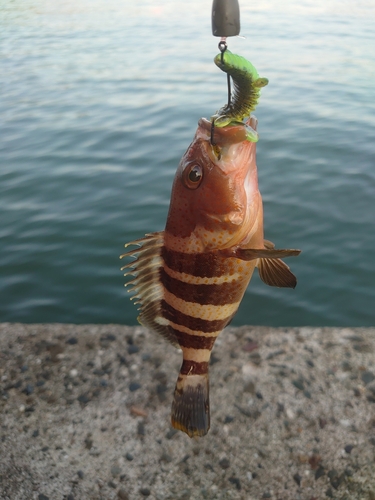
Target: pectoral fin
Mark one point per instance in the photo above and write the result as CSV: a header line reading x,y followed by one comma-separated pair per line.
x,y
272,270
264,253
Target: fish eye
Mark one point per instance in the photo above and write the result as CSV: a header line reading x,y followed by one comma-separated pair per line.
x,y
193,176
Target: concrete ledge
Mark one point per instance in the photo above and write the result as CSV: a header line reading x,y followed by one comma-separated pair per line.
x,y
84,414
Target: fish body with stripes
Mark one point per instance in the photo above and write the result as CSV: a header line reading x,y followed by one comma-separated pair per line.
x,y
189,279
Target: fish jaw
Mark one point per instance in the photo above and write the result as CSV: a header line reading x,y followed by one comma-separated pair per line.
x,y
226,204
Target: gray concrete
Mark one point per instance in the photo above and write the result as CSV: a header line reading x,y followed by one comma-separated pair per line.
x,y
85,415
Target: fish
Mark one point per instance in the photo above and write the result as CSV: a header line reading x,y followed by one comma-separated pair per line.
x,y
189,279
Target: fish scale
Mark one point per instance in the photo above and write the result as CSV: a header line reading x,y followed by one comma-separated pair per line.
x,y
168,303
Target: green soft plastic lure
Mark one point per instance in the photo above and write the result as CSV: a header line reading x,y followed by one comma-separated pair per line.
x,y
246,91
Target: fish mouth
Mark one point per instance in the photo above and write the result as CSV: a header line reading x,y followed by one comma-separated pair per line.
x,y
231,134
230,149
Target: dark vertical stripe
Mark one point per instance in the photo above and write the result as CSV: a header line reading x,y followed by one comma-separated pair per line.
x,y
204,265
218,295
193,341
190,367
192,323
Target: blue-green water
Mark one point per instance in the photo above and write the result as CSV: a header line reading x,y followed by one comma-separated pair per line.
x,y
100,99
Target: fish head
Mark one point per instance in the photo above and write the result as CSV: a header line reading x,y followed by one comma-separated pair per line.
x,y
215,200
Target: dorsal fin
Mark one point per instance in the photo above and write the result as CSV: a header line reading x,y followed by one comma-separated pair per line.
x,y
146,286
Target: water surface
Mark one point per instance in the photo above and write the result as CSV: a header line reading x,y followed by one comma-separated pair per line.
x,y
100,99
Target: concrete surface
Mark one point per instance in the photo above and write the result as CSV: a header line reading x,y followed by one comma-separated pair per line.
x,y
84,414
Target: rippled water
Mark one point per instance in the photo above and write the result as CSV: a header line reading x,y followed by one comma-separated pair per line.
x,y
100,99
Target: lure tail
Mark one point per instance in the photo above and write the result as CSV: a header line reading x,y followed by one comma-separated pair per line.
x,y
191,406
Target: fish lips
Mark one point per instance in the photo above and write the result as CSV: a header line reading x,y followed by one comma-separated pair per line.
x,y
229,135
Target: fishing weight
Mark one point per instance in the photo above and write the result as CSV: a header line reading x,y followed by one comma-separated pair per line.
x,y
225,18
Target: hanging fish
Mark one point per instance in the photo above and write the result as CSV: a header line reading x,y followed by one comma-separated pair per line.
x,y
190,278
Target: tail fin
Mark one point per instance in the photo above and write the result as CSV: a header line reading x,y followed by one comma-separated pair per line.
x,y
191,406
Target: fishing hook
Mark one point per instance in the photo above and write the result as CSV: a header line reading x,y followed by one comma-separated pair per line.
x,y
222,47
212,132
